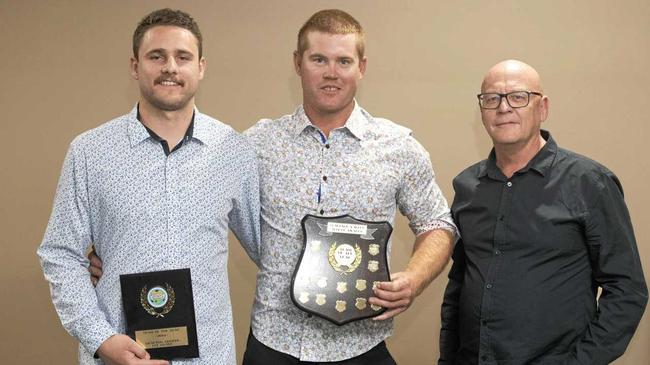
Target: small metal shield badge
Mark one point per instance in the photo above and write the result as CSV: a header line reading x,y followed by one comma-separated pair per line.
x,y
348,253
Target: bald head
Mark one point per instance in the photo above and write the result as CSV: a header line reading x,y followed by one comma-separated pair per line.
x,y
511,75
514,129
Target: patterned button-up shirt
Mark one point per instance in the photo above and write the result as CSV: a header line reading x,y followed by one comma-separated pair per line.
x,y
145,211
367,169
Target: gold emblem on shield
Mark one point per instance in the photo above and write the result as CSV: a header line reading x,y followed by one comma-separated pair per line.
x,y
322,282
373,265
340,306
304,297
361,285
341,287
320,299
360,304
375,307
344,258
375,284
373,249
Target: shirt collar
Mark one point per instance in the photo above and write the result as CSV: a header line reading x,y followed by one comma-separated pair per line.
x,y
541,162
357,123
198,128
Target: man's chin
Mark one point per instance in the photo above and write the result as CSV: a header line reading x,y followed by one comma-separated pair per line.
x,y
170,105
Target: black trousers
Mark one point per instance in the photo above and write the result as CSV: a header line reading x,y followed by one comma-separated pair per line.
x,y
258,353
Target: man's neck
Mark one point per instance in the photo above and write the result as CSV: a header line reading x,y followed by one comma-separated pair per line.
x,y
327,122
512,158
168,125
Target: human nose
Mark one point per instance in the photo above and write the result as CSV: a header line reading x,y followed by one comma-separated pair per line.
x,y
330,71
504,105
170,66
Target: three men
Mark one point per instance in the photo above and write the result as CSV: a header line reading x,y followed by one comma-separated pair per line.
x,y
329,158
153,190
542,228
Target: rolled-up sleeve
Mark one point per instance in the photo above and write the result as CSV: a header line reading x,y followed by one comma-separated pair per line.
x,y
419,197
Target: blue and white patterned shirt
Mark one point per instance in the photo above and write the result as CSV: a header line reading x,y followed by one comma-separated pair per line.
x,y
368,169
145,211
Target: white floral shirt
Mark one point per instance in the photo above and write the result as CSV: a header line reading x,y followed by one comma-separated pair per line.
x,y
145,211
368,169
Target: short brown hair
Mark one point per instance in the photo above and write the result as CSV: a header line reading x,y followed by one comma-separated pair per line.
x,y
176,18
331,21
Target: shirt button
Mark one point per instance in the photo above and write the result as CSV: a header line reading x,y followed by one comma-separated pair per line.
x,y
324,178
509,183
322,211
309,315
489,286
497,252
327,145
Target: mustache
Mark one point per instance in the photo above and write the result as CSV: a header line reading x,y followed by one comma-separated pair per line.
x,y
160,79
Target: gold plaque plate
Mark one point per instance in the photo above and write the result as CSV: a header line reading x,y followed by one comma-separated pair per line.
x,y
162,337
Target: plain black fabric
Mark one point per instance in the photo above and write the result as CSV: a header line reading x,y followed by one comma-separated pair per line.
x,y
534,250
259,354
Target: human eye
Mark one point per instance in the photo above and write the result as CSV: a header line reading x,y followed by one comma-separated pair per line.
x,y
518,96
346,61
490,99
319,60
155,56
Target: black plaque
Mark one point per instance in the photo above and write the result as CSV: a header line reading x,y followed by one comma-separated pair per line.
x,y
342,259
159,310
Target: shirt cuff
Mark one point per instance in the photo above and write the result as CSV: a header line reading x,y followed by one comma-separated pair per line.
x,y
438,224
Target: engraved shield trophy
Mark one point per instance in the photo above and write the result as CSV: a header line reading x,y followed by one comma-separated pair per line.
x,y
342,260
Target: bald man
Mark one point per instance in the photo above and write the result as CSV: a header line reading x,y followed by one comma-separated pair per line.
x,y
542,229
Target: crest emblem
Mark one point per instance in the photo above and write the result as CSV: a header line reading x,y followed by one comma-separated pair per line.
x,y
321,299
338,253
340,306
373,249
361,284
373,265
158,301
322,282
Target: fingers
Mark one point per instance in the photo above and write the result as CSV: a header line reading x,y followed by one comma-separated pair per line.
x,y
138,350
95,271
94,259
389,314
143,356
390,304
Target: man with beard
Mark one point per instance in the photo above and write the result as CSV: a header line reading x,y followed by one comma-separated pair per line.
x,y
155,189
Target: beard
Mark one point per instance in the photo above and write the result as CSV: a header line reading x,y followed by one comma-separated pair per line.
x,y
168,104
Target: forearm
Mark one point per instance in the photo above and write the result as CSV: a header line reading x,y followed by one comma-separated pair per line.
x,y
73,296
431,253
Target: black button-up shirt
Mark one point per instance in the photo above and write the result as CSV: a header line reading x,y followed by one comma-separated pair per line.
x,y
534,250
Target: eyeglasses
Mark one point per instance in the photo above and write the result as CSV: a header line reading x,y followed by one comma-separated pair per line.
x,y
516,99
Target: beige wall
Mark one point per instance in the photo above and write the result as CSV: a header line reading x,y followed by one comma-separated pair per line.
x,y
64,69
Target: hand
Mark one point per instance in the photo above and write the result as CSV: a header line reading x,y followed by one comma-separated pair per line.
x,y
395,295
95,268
122,350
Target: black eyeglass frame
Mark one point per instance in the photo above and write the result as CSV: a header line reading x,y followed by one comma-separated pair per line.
x,y
501,96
